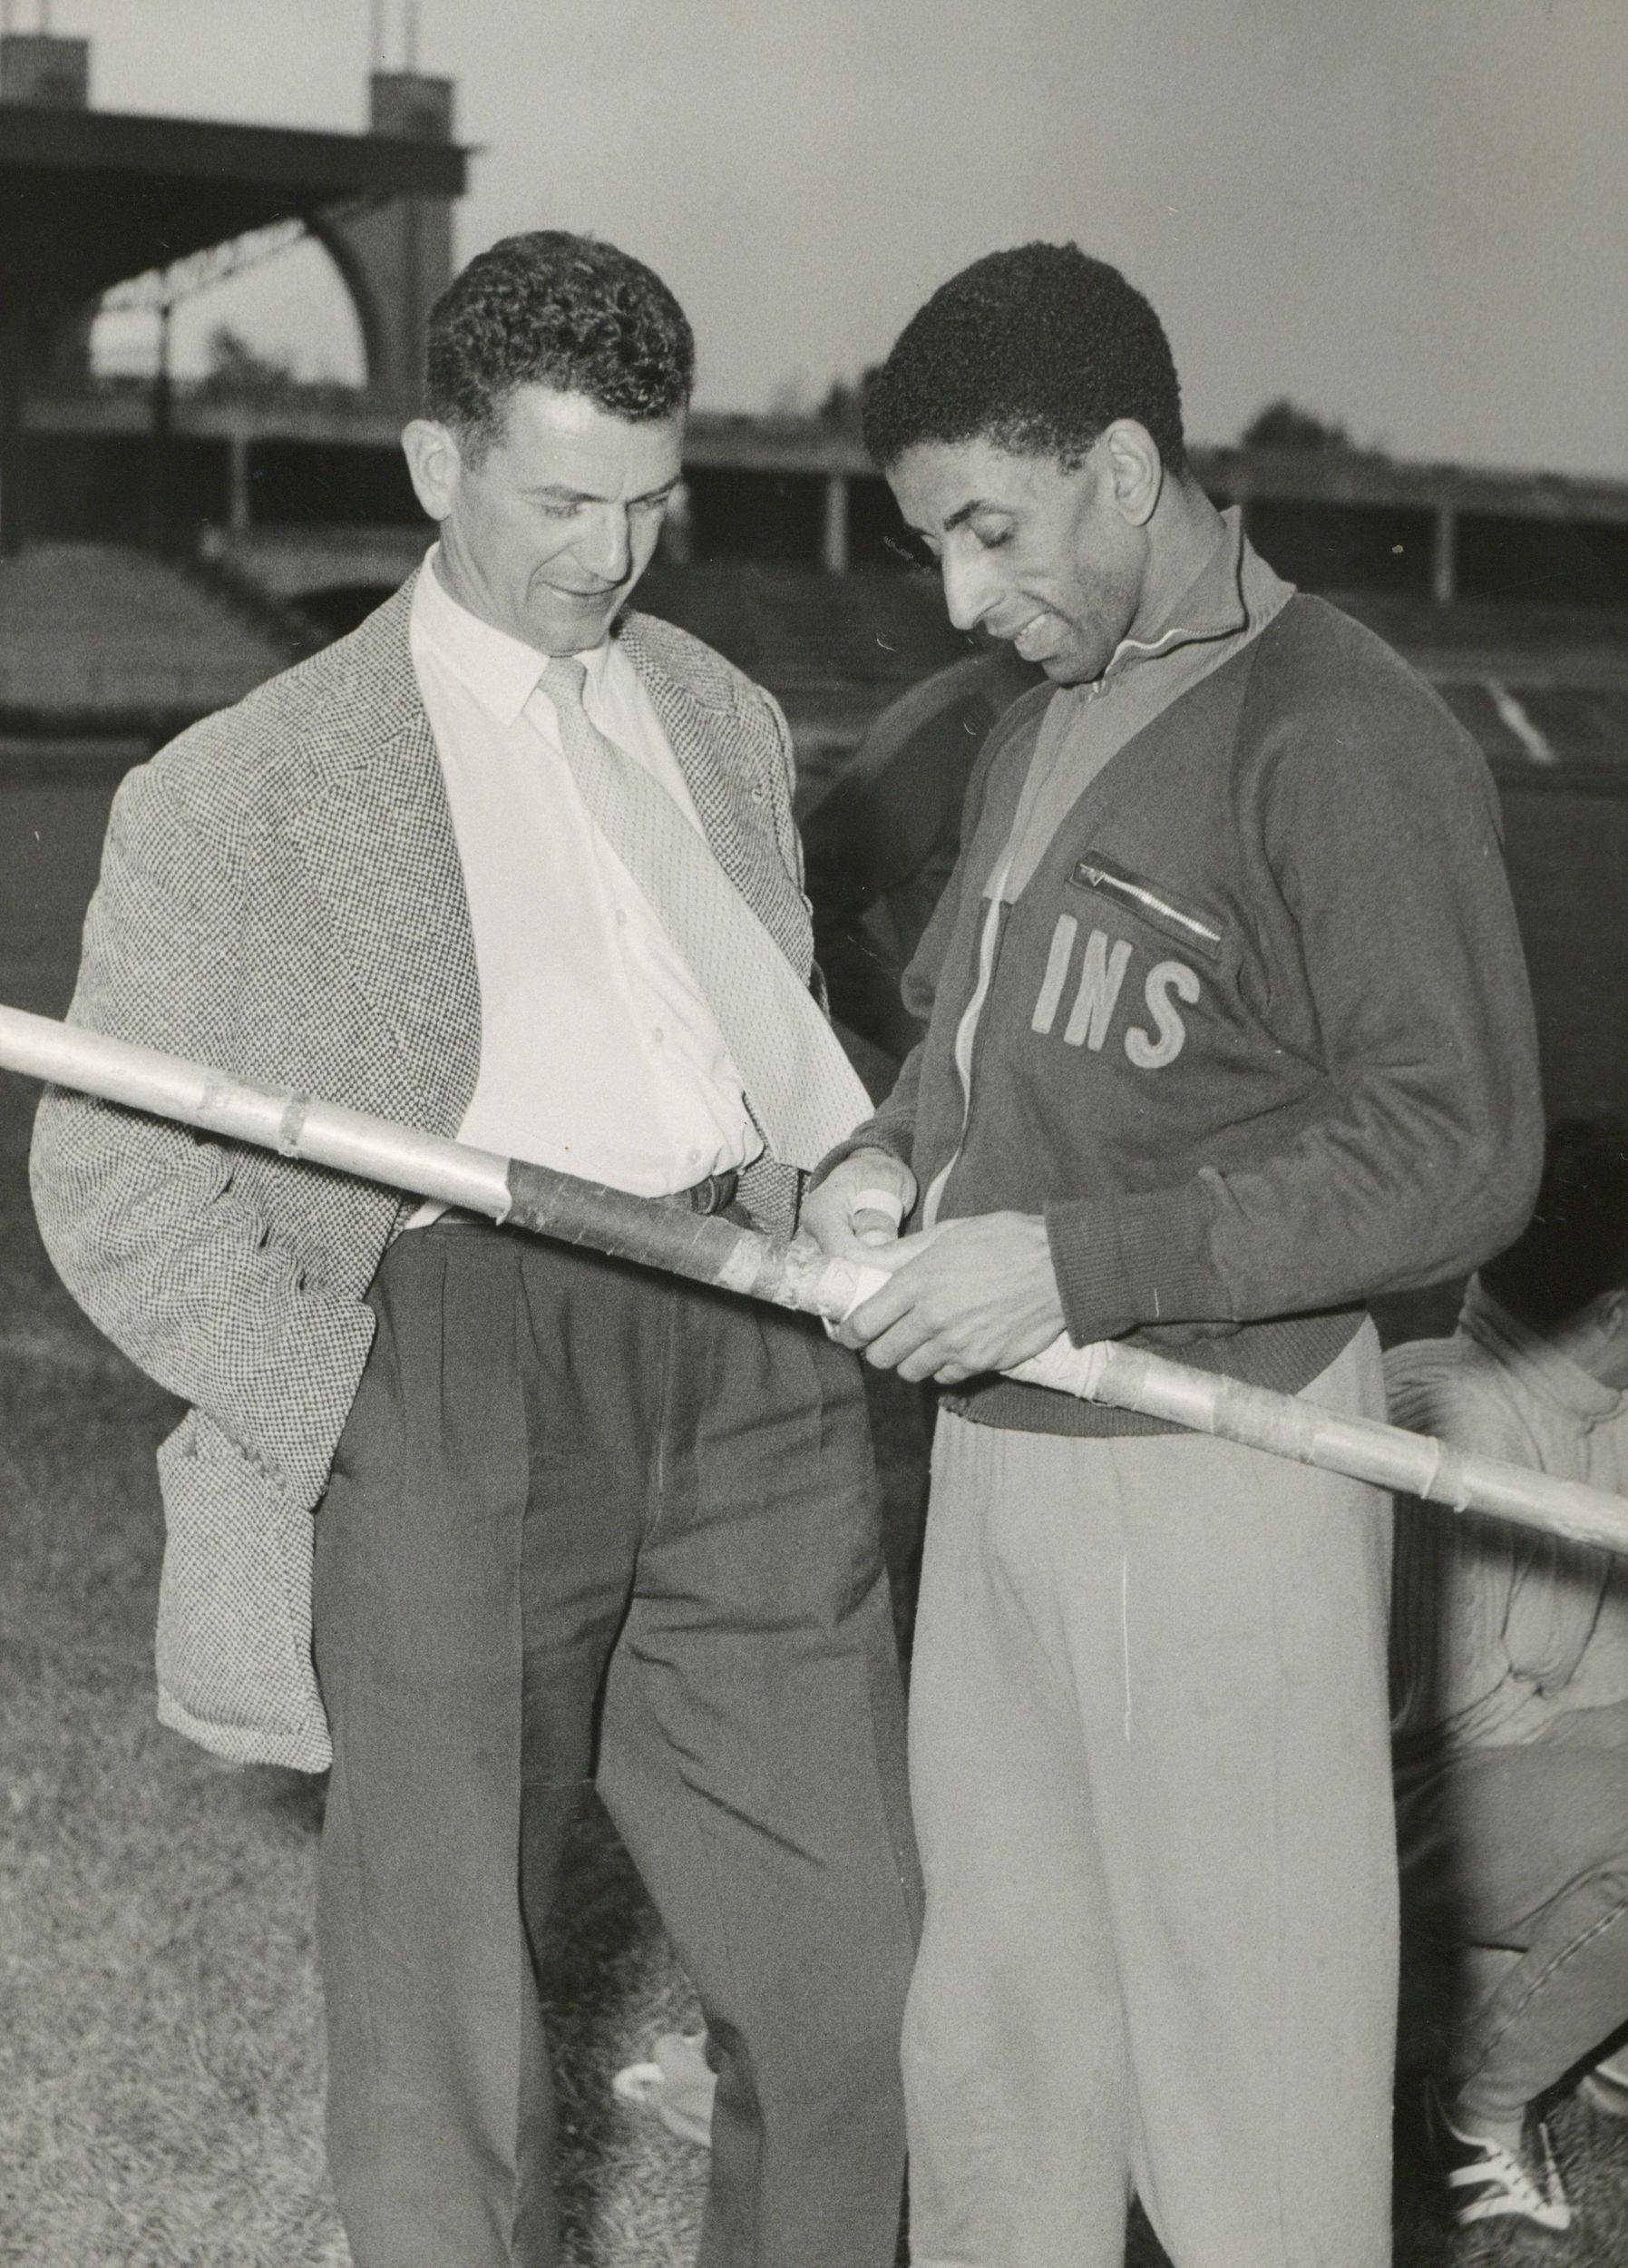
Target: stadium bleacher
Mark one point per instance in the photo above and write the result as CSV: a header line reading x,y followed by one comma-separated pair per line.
x,y
97,638
96,635
1543,688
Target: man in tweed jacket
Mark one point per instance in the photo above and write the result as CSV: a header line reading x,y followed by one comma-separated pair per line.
x,y
570,1521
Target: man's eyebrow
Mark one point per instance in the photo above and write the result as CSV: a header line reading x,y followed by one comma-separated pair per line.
x,y
966,511
558,491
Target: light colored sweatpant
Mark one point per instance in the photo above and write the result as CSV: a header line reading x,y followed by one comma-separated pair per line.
x,y
1152,1786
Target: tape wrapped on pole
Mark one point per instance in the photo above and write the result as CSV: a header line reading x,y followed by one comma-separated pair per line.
x,y
712,1250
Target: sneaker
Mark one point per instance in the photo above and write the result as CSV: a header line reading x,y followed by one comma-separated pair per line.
x,y
1488,2181
1605,2089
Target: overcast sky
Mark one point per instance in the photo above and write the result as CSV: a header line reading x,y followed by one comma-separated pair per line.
x,y
1409,215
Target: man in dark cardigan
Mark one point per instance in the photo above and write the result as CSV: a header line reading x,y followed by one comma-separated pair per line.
x,y
1229,1031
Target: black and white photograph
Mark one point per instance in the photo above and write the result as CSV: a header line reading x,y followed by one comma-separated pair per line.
x,y
814,1134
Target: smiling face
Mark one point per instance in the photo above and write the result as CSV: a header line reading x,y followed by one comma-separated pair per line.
x,y
545,531
1054,560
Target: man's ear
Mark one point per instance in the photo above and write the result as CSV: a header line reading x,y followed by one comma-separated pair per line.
x,y
435,463
1134,468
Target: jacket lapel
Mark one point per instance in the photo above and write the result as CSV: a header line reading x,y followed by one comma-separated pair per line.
x,y
705,739
734,775
377,837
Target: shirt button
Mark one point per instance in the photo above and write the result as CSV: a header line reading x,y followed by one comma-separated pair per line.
x,y
621,917
657,1035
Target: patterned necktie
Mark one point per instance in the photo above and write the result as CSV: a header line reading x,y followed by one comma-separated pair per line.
x,y
803,1091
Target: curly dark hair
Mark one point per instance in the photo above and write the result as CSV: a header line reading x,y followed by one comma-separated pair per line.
x,y
552,308
1575,1246
1036,349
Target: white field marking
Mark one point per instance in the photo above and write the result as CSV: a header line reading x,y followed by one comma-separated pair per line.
x,y
1514,719
65,1349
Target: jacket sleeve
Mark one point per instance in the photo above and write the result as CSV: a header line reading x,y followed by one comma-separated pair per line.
x,y
148,1224
785,826
786,835
1378,825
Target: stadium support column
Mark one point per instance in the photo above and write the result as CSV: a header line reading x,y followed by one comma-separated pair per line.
x,y
833,544
396,259
13,447
162,518
1443,555
39,71
240,506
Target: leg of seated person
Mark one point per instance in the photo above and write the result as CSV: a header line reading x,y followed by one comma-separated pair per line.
x,y
1526,1848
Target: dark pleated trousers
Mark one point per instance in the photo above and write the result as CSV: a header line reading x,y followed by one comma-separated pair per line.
x,y
590,1524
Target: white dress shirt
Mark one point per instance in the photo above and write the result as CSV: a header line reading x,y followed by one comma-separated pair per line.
x,y
598,1055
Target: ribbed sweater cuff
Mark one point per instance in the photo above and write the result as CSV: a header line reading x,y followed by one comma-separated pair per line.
x,y
1134,1260
895,1135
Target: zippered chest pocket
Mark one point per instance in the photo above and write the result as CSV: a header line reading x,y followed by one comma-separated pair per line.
x,y
1175,917
1113,995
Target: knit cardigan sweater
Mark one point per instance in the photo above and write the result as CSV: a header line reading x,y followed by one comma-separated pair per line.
x,y
1256,1036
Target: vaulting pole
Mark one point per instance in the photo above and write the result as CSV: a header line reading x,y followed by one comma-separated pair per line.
x,y
717,1251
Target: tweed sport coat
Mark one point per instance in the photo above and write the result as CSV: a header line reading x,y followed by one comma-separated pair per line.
x,y
281,896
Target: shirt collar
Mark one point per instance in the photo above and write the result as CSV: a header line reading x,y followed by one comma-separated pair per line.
x,y
1233,591
1536,1361
501,671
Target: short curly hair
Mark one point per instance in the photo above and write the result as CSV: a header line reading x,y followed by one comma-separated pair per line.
x,y
550,309
1037,349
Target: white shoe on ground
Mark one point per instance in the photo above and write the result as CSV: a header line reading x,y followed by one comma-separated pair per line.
x,y
1605,2089
1487,2181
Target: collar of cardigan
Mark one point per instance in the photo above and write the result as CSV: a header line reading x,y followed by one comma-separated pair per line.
x,y
1233,591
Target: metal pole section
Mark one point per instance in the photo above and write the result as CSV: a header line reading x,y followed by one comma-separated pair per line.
x,y
716,1251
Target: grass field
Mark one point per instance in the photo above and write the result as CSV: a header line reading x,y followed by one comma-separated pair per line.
x,y
159,2043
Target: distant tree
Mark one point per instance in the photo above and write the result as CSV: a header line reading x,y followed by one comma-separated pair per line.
x,y
1283,425
794,400
234,366
841,408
